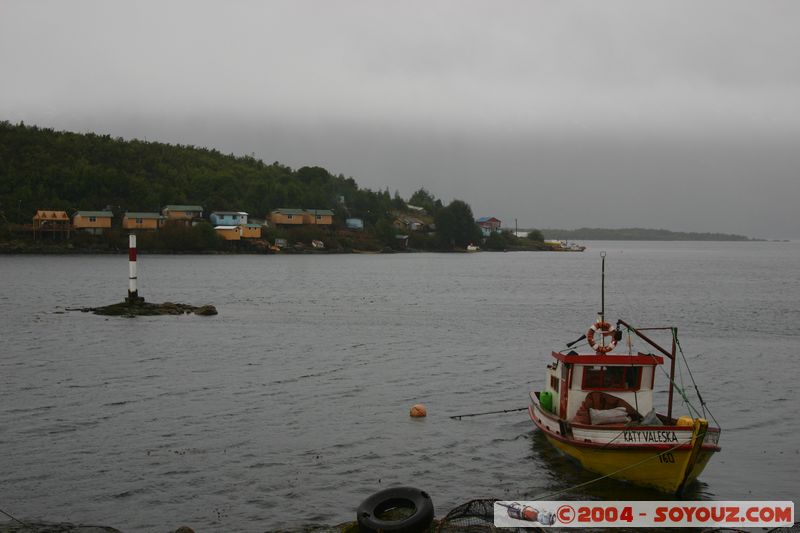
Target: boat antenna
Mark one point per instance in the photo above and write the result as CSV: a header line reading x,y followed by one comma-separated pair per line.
x,y
603,288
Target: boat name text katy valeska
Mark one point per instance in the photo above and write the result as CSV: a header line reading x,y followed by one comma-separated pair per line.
x,y
650,436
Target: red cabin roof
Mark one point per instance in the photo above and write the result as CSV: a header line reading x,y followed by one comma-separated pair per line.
x,y
595,359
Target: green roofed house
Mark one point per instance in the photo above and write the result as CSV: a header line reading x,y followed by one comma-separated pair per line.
x,y
189,214
319,216
94,222
142,221
296,217
250,231
287,217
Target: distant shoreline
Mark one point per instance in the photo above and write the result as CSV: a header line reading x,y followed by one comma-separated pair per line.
x,y
57,250
53,249
641,234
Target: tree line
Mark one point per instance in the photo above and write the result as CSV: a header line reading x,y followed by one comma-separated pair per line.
x,y
41,168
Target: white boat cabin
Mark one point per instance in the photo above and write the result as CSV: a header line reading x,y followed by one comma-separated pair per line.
x,y
572,377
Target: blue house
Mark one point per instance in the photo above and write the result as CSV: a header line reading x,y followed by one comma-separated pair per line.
x,y
228,218
355,224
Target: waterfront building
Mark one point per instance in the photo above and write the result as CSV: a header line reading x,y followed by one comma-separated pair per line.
x,y
186,214
287,217
250,231
297,217
56,223
354,224
94,222
489,225
229,233
133,221
228,218
318,217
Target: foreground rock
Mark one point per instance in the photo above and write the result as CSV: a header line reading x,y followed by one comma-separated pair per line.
x,y
51,527
142,308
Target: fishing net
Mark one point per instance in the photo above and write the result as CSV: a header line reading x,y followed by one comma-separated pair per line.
x,y
52,527
474,516
793,529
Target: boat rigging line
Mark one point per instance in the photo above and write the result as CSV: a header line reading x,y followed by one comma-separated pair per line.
x,y
15,519
459,417
681,390
703,404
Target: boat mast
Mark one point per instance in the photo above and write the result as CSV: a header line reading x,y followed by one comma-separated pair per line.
x,y
674,332
603,289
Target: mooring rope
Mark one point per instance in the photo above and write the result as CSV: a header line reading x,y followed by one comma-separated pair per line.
x,y
459,417
15,519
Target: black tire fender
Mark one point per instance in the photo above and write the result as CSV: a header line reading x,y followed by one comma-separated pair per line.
x,y
380,502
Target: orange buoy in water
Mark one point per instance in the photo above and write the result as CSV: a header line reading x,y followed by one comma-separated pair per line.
x,y
419,411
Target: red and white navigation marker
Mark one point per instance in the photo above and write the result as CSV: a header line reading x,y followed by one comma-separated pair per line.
x,y
133,292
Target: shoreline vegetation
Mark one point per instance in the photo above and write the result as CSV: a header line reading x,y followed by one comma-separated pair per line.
x,y
43,169
255,247
56,171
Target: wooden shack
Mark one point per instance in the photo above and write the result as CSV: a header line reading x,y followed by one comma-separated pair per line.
x,y
49,222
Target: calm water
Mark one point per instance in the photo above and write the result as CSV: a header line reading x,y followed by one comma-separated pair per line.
x,y
291,406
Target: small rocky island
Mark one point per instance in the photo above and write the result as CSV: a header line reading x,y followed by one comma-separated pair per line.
x,y
132,307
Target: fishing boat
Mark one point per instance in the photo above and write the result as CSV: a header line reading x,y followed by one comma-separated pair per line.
x,y
574,247
564,246
596,407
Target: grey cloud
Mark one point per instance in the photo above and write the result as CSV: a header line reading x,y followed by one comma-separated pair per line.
x,y
673,114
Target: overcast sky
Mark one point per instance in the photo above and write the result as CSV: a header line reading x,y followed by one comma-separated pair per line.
x,y
682,115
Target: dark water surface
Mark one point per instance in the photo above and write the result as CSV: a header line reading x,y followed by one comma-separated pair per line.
x,y
291,405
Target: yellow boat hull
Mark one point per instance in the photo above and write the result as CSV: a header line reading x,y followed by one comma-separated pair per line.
x,y
665,459
666,472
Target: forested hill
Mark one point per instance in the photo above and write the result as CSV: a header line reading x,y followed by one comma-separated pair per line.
x,y
637,234
45,169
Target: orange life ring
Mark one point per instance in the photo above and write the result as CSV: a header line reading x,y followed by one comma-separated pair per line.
x,y
605,329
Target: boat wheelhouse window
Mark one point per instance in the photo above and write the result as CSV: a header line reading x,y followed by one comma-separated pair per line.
x,y
554,383
611,378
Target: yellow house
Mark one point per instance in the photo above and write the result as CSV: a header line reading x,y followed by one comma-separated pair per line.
x,y
186,213
322,217
296,217
250,231
93,222
229,233
49,221
285,217
142,221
